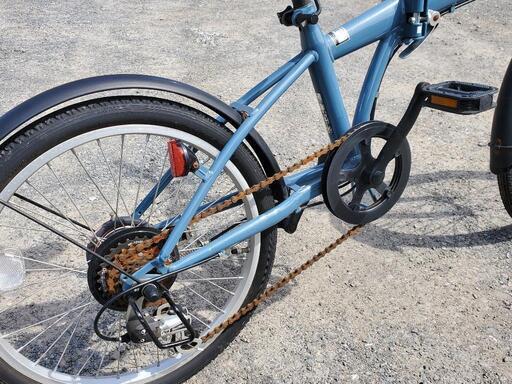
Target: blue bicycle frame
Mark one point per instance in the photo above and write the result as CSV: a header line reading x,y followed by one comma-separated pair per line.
x,y
392,23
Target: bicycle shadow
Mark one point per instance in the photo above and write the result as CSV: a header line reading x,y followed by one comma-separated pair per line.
x,y
432,214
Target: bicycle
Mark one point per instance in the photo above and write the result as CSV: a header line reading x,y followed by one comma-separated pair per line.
x,y
172,282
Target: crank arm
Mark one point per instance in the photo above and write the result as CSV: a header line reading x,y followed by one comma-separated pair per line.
x,y
450,96
403,128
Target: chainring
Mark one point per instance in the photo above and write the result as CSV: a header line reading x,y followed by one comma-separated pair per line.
x,y
349,190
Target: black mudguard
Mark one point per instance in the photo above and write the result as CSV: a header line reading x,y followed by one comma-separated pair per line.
x,y
501,136
39,105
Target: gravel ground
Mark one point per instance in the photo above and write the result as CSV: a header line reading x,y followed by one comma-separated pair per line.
x,y
425,294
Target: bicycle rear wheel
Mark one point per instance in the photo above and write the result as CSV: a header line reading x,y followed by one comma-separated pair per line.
x,y
84,171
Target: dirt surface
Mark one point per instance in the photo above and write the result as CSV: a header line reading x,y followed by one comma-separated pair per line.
x,y
424,294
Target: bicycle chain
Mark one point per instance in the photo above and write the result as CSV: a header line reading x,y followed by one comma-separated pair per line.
x,y
135,256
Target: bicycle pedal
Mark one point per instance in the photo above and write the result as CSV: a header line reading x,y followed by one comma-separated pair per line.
x,y
460,98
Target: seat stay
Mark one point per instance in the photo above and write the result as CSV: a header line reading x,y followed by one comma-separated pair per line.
x,y
223,157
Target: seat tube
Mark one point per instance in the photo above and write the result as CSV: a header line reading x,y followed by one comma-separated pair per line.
x,y
325,82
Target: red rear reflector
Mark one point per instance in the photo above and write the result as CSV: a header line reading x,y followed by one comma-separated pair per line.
x,y
177,158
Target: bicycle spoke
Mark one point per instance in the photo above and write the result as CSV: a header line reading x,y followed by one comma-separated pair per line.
x,y
118,190
31,292
211,278
71,199
59,213
69,341
39,282
177,194
34,213
194,241
199,320
85,364
119,348
95,184
42,269
180,185
102,359
228,258
42,332
119,179
209,281
204,298
141,173
77,319
204,233
158,187
44,321
57,266
29,229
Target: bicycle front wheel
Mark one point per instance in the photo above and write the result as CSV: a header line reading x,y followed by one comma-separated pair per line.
x,y
85,171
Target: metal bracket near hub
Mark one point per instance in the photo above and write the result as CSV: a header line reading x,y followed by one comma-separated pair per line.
x,y
434,18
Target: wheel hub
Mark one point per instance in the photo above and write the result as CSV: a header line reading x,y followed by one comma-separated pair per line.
x,y
104,280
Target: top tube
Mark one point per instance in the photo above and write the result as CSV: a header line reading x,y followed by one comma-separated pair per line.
x,y
380,21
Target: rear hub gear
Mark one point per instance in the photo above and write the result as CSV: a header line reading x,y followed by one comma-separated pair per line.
x,y
103,280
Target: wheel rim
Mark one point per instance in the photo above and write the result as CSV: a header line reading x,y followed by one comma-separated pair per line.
x,y
164,364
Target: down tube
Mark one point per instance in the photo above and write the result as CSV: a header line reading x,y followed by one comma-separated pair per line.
x,y
374,76
224,156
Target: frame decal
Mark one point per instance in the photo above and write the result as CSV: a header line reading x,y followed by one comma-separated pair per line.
x,y
339,36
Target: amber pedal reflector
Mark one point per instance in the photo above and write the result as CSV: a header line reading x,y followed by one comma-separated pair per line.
x,y
444,101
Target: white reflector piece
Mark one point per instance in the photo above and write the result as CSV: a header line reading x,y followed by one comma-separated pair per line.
x,y
12,269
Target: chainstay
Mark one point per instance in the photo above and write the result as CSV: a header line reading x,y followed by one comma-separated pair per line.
x,y
138,254
133,252
270,291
